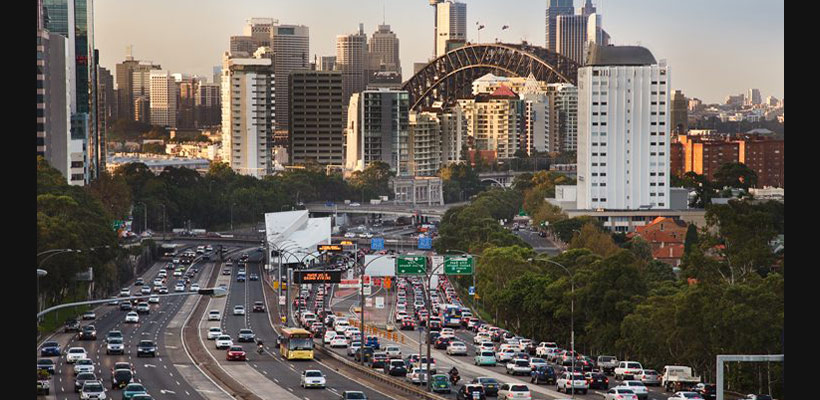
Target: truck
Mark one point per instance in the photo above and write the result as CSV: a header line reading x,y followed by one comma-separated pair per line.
x,y
675,378
375,201
607,364
198,232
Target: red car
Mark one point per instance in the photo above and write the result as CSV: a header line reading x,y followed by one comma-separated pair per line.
x,y
235,353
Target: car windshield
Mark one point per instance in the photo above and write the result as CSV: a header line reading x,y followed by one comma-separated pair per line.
x,y
245,331
633,365
522,363
300,344
50,344
606,358
634,383
356,396
313,374
45,361
92,387
236,348
488,354
146,343
115,341
519,388
135,387
122,375
625,391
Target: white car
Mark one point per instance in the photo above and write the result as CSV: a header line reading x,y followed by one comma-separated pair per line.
x,y
75,353
83,365
514,391
312,378
417,376
485,346
178,273
223,342
622,393
153,300
213,315
537,362
338,341
125,293
481,337
145,290
179,288
569,382
350,235
448,332
238,310
393,351
457,348
505,354
519,366
685,396
638,387
543,348
114,345
157,281
214,332
132,317
92,390
329,335
350,331
355,204
194,287
341,327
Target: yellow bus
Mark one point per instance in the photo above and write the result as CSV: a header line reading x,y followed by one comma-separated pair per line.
x,y
296,344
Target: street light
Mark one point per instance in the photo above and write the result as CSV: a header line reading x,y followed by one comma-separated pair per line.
x,y
361,294
145,219
232,204
163,218
572,314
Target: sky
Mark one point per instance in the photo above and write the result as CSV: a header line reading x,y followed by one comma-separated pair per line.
x,y
714,47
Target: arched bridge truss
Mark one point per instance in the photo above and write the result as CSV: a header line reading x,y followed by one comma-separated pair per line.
x,y
450,76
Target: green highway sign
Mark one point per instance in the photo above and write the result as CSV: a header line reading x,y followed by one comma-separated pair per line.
x,y
411,265
459,265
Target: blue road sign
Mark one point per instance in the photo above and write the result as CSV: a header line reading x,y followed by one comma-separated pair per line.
x,y
472,290
377,244
425,243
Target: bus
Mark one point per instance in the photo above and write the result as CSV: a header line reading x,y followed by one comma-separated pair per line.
x,y
451,314
296,344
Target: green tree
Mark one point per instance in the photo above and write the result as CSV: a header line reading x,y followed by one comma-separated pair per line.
x,y
113,192
691,238
736,175
640,248
591,237
371,182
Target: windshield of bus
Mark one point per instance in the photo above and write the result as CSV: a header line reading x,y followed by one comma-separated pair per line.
x,y
300,344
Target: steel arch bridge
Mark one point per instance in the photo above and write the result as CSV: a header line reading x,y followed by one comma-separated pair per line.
x,y
451,76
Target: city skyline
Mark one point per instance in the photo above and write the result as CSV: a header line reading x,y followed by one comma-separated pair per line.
x,y
732,35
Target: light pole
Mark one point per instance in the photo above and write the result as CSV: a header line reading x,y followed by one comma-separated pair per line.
x,y
145,219
361,293
232,204
40,273
572,316
163,218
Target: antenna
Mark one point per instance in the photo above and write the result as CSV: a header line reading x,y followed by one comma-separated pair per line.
x,y
383,8
129,52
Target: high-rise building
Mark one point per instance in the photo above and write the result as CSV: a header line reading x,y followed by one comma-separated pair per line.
x,y
623,139
679,113
291,51
106,110
377,130
125,85
327,63
563,116
753,97
141,88
316,127
142,109
247,114
243,46
554,9
771,101
351,56
424,143
163,99
453,132
494,121
186,100
260,30
536,122
571,36
451,25
54,140
695,104
384,46
207,104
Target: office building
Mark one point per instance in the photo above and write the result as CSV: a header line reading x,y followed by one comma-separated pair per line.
x,y
377,130
536,121
248,113
54,140
327,63
451,25
106,111
384,79
771,101
679,113
208,108
494,121
125,84
260,30
424,143
186,100
571,36
554,9
753,97
384,46
563,116
163,99
623,139
351,56
291,51
317,127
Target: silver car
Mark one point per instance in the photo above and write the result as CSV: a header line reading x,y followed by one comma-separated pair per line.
x,y
649,377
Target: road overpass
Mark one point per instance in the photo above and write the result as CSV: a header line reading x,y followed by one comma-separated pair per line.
x,y
433,212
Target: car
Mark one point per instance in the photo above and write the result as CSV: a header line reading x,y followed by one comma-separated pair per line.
x,y
543,373
88,332
372,341
350,235
407,324
393,351
627,370
238,310
457,349
75,353
535,362
153,300
514,391
146,347
758,397
179,288
214,315
71,325
485,357
240,277
621,393
83,365
312,378
145,290
226,271
81,379
684,395
485,346
132,390
258,306
120,378
707,390
338,341
472,391
440,383
50,348
245,335
47,364
490,385
597,380
329,335
143,308
253,277
395,368
649,377
194,287
441,343
214,332
353,347
638,387
505,355
163,290
518,366
236,353
355,204
89,315
571,382
417,376
92,390
132,317
178,273
125,292
223,342
114,346
353,395
378,360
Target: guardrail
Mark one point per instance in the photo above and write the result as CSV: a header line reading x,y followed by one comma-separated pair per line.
x,y
416,392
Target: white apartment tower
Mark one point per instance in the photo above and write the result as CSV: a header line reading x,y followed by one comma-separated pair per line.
x,y
451,24
163,99
493,121
424,143
248,114
623,141
536,116
291,51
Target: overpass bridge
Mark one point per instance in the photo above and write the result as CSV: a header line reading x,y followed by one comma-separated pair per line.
x,y
434,212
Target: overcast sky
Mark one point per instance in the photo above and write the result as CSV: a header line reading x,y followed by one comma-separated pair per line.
x,y
714,47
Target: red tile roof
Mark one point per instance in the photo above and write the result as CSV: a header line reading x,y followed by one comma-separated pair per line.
x,y
670,251
660,237
504,91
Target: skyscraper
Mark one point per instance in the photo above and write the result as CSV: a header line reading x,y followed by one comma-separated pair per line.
x,y
563,106
377,130
753,98
186,102
571,36
291,51
247,114
554,9
207,104
163,99
317,127
351,53
679,113
384,45
106,110
451,24
327,63
623,134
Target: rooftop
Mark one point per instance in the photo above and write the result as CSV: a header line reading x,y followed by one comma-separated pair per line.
x,y
619,56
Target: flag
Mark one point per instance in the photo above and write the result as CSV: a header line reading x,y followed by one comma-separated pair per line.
x,y
480,27
504,27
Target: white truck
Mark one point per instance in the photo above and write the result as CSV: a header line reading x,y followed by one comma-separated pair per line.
x,y
675,378
607,364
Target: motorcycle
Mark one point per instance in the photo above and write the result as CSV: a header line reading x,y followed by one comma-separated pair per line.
x,y
260,348
454,378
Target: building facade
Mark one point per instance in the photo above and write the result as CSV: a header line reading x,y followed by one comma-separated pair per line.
x,y
679,113
623,140
571,36
451,25
327,63
384,45
554,9
208,107
351,56
563,103
424,143
317,127
163,99
378,130
494,121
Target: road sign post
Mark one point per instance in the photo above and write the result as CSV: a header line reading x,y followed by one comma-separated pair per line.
x,y
411,265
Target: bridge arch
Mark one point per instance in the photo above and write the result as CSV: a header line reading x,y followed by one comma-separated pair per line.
x,y
493,180
450,76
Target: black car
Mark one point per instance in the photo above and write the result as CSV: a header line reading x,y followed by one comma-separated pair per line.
x,y
81,378
441,343
88,332
125,306
71,325
490,385
543,374
121,378
353,395
395,367
378,360
146,347
709,391
467,392
597,380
